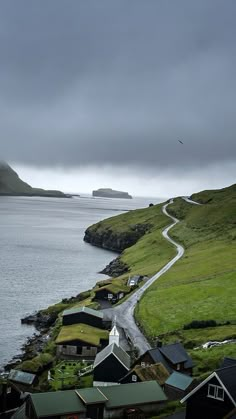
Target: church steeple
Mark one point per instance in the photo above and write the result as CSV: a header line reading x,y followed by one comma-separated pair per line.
x,y
114,335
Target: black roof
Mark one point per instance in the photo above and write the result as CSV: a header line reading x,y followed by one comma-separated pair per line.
x,y
228,377
157,357
228,362
175,353
115,350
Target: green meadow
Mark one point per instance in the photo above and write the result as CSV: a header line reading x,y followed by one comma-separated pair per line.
x,y
202,284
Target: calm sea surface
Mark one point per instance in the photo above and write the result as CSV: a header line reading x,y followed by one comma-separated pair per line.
x,y
43,257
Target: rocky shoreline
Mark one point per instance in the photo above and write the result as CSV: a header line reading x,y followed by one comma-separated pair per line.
x,y
43,323
44,320
34,344
108,239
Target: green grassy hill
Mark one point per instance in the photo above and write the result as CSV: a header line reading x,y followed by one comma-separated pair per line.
x,y
11,184
201,285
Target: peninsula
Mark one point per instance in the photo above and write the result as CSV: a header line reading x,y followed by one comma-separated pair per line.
x,y
110,193
12,185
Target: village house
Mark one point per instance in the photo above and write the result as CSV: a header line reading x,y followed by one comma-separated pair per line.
x,y
112,292
95,403
173,356
13,389
148,373
215,397
178,385
110,365
83,315
80,341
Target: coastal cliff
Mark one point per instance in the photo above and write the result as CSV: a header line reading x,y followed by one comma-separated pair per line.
x,y
110,193
103,236
12,185
117,234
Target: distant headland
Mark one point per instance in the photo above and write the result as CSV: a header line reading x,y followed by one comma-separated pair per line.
x,y
12,185
110,193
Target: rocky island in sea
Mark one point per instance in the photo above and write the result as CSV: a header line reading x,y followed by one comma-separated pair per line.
x,y
111,193
12,185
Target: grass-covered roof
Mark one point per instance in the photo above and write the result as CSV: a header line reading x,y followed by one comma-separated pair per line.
x,y
83,332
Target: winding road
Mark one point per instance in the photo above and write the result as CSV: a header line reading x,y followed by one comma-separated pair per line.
x,y
124,312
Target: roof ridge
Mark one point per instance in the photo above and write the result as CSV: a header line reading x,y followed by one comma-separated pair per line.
x,y
227,367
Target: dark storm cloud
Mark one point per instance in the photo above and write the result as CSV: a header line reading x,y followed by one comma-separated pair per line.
x,y
118,82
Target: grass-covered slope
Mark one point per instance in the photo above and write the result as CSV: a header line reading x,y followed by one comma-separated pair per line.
x,y
201,285
139,233
11,184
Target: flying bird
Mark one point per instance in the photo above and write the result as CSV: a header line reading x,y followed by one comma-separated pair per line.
x,y
181,142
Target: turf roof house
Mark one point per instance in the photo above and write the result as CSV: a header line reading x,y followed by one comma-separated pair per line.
x,y
82,315
95,403
113,291
215,397
148,373
173,356
80,341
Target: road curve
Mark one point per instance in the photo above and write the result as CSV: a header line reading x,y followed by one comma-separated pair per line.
x,y
190,201
125,311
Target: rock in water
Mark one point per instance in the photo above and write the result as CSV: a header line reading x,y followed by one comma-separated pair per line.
x,y
110,193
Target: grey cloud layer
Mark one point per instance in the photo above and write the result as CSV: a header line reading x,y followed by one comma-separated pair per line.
x,y
118,82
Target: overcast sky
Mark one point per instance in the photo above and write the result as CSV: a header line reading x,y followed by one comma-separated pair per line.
x,y
97,93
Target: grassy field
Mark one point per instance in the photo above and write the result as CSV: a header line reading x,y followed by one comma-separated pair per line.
x,y
200,286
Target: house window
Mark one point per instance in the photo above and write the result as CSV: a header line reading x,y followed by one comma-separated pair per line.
x,y
110,296
215,392
134,378
178,367
142,364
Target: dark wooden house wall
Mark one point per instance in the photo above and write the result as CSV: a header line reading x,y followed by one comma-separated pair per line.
x,y
173,393
199,405
82,318
95,411
9,398
110,370
128,378
102,294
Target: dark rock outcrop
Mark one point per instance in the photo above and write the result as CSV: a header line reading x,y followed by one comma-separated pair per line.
x,y
110,193
115,268
109,239
39,320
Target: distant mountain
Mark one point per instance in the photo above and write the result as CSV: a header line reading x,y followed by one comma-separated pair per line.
x,y
110,193
11,184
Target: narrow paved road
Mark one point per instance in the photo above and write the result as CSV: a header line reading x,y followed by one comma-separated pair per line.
x,y
124,312
190,201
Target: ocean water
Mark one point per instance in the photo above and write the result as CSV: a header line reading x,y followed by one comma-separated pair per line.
x,y
43,257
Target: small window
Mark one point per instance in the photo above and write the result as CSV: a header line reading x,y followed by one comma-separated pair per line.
x,y
8,390
110,296
220,393
178,367
142,364
215,392
134,378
